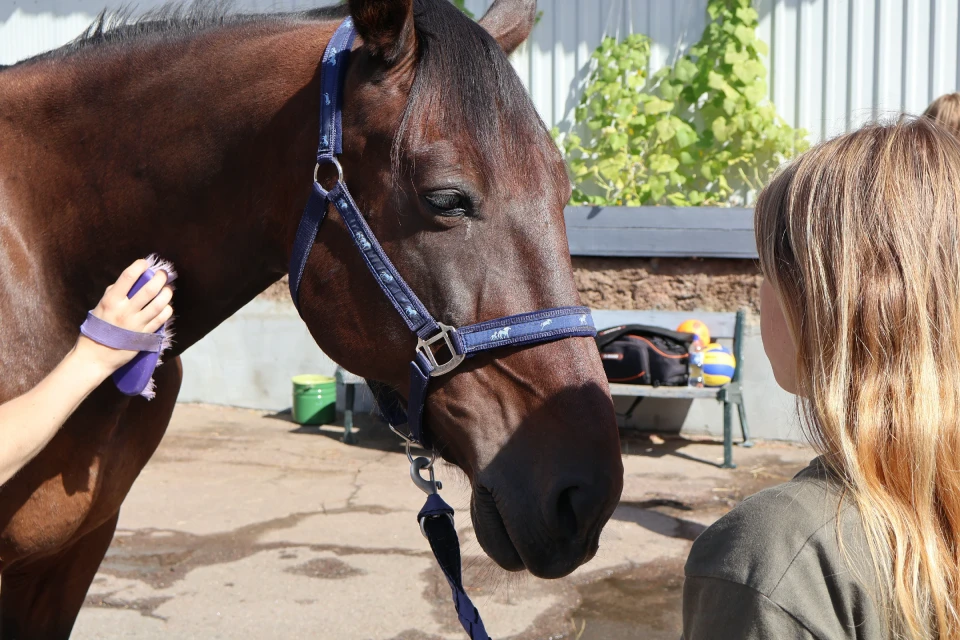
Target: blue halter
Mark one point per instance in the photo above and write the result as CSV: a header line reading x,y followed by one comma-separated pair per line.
x,y
436,517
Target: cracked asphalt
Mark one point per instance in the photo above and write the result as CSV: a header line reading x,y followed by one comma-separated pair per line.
x,y
245,526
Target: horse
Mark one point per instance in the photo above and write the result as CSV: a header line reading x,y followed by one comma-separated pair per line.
x,y
191,133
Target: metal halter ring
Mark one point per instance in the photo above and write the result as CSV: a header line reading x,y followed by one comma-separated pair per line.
x,y
324,161
408,443
425,347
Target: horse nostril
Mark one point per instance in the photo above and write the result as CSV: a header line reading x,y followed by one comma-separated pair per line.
x,y
578,509
567,513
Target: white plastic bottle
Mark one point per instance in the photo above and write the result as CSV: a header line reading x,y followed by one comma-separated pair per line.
x,y
695,365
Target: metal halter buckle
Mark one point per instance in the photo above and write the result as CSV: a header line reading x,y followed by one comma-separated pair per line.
x,y
424,347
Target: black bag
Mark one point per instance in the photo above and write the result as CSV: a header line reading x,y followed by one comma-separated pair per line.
x,y
637,354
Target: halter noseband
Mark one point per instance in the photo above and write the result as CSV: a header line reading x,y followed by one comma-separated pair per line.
x,y
436,518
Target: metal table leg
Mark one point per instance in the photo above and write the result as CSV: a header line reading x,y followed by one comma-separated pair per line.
x,y
728,436
747,442
349,437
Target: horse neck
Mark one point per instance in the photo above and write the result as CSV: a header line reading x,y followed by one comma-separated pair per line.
x,y
199,150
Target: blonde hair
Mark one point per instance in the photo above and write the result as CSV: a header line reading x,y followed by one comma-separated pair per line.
x,y
860,238
946,111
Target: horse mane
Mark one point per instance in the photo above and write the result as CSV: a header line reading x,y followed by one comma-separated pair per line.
x,y
463,78
173,20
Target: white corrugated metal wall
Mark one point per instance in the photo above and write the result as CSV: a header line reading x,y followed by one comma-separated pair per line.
x,y
833,63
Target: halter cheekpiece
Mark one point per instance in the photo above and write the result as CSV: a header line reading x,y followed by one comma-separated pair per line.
x,y
436,517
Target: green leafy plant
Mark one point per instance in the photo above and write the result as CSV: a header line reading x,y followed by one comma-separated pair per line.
x,y
699,132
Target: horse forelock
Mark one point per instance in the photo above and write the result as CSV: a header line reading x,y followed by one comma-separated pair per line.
x,y
465,86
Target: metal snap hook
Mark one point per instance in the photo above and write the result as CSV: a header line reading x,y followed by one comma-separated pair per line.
x,y
430,486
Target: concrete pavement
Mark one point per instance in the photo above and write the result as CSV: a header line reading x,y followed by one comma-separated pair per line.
x,y
244,526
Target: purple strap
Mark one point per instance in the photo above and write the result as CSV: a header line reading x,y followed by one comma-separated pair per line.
x,y
136,377
116,337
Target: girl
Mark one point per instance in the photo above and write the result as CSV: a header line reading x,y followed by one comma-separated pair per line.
x,y
859,242
29,422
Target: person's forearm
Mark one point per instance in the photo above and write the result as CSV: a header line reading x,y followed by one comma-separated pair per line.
x,y
29,422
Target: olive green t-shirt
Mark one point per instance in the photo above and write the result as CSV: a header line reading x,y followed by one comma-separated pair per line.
x,y
772,568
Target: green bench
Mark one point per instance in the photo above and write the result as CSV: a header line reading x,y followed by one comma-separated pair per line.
x,y
723,326
727,326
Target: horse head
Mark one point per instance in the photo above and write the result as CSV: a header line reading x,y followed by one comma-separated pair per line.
x,y
462,184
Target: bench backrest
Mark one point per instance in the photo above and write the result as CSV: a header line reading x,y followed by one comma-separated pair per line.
x,y
721,325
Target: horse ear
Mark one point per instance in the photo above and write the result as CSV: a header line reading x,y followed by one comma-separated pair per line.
x,y
510,22
386,26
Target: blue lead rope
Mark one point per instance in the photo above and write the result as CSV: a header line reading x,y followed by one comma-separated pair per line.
x,y
436,517
436,521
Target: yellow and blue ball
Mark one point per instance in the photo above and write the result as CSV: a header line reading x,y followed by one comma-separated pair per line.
x,y
718,365
697,328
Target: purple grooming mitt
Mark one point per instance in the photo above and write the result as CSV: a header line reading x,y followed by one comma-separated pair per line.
x,y
136,377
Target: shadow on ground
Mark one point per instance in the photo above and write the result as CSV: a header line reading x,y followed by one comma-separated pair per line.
x,y
634,442
370,432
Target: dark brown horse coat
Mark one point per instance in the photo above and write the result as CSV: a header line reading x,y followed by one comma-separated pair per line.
x,y
193,136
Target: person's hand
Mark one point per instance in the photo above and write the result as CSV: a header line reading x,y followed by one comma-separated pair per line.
x,y
145,312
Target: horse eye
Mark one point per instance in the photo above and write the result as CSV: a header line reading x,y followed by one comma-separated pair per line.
x,y
449,204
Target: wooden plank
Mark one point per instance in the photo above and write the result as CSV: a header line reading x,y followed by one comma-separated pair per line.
x,y
687,232
661,217
673,393
721,325
661,243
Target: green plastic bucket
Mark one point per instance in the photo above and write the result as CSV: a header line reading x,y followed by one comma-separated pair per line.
x,y
314,400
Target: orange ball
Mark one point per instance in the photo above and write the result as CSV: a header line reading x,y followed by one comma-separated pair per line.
x,y
697,328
